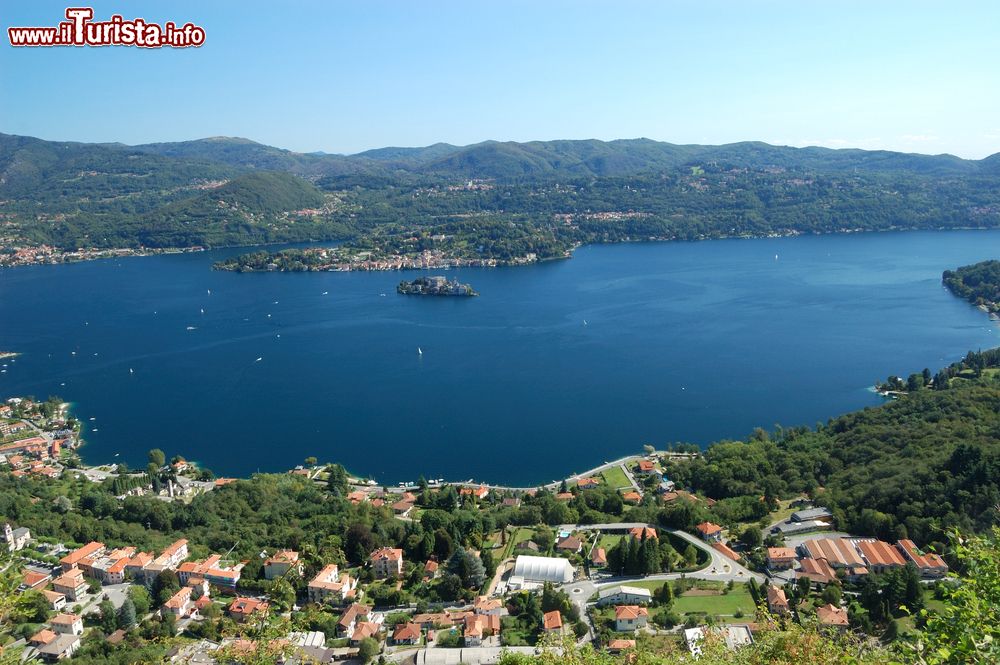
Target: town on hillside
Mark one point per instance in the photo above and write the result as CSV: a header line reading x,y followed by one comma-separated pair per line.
x,y
537,572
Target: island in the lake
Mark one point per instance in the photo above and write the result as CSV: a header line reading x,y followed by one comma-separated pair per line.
x,y
435,286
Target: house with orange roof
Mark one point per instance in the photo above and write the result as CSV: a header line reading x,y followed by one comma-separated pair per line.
x,y
816,570
480,626
56,600
179,604
630,617
618,645
709,532
34,579
387,562
640,532
880,556
832,616
402,508
552,622
480,492
726,551
487,605
647,467
571,544
67,624
407,633
280,563
564,496
431,569
77,557
330,586
352,616
780,558
42,637
929,564
632,497
588,483
212,570
599,557
242,609
777,603
71,585
357,497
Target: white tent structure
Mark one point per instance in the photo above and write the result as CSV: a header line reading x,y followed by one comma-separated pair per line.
x,y
541,569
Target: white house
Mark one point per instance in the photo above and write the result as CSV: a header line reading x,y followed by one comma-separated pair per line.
x,y
624,595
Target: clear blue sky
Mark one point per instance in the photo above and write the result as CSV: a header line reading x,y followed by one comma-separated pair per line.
x,y
347,76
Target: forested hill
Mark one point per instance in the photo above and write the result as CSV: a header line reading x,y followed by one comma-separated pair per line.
x,y
76,195
909,468
978,283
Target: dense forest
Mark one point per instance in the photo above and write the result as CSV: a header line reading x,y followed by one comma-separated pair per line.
x,y
557,194
978,283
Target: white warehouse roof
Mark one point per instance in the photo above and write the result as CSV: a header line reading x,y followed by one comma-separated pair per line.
x,y
544,569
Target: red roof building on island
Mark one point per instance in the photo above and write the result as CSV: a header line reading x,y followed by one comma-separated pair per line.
x,y
641,532
387,562
831,615
929,564
588,483
880,556
709,531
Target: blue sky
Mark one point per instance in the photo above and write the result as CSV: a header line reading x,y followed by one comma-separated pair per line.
x,y
347,76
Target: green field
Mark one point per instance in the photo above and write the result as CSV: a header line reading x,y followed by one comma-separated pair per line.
x,y
728,604
615,478
609,540
519,536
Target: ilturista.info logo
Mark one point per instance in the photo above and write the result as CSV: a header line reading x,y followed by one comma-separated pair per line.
x,y
81,30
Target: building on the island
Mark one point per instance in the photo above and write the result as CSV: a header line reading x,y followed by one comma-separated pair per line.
x,y
831,616
665,487
536,570
331,586
632,497
777,603
67,624
179,604
407,633
880,556
780,558
564,496
280,563
928,564
511,502
241,609
588,483
71,585
110,567
571,544
599,557
624,595
552,622
709,532
16,539
630,617
640,532
364,630
78,558
528,545
135,567
387,562
402,508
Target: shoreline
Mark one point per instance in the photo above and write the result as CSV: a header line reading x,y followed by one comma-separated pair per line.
x,y
70,257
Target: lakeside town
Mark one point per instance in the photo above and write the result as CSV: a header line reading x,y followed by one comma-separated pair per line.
x,y
525,586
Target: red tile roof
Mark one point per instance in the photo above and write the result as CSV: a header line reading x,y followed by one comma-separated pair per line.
x,y
831,615
879,553
552,620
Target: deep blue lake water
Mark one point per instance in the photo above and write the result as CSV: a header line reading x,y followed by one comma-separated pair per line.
x,y
682,342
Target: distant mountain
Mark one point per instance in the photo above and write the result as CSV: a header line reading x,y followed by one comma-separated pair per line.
x,y
249,154
225,190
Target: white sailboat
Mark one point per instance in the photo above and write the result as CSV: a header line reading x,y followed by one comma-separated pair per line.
x,y
420,351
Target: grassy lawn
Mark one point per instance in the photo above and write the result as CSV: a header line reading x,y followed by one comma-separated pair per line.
x,y
609,540
616,478
728,604
519,536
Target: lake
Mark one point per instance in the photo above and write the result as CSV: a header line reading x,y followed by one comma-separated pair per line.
x,y
553,369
